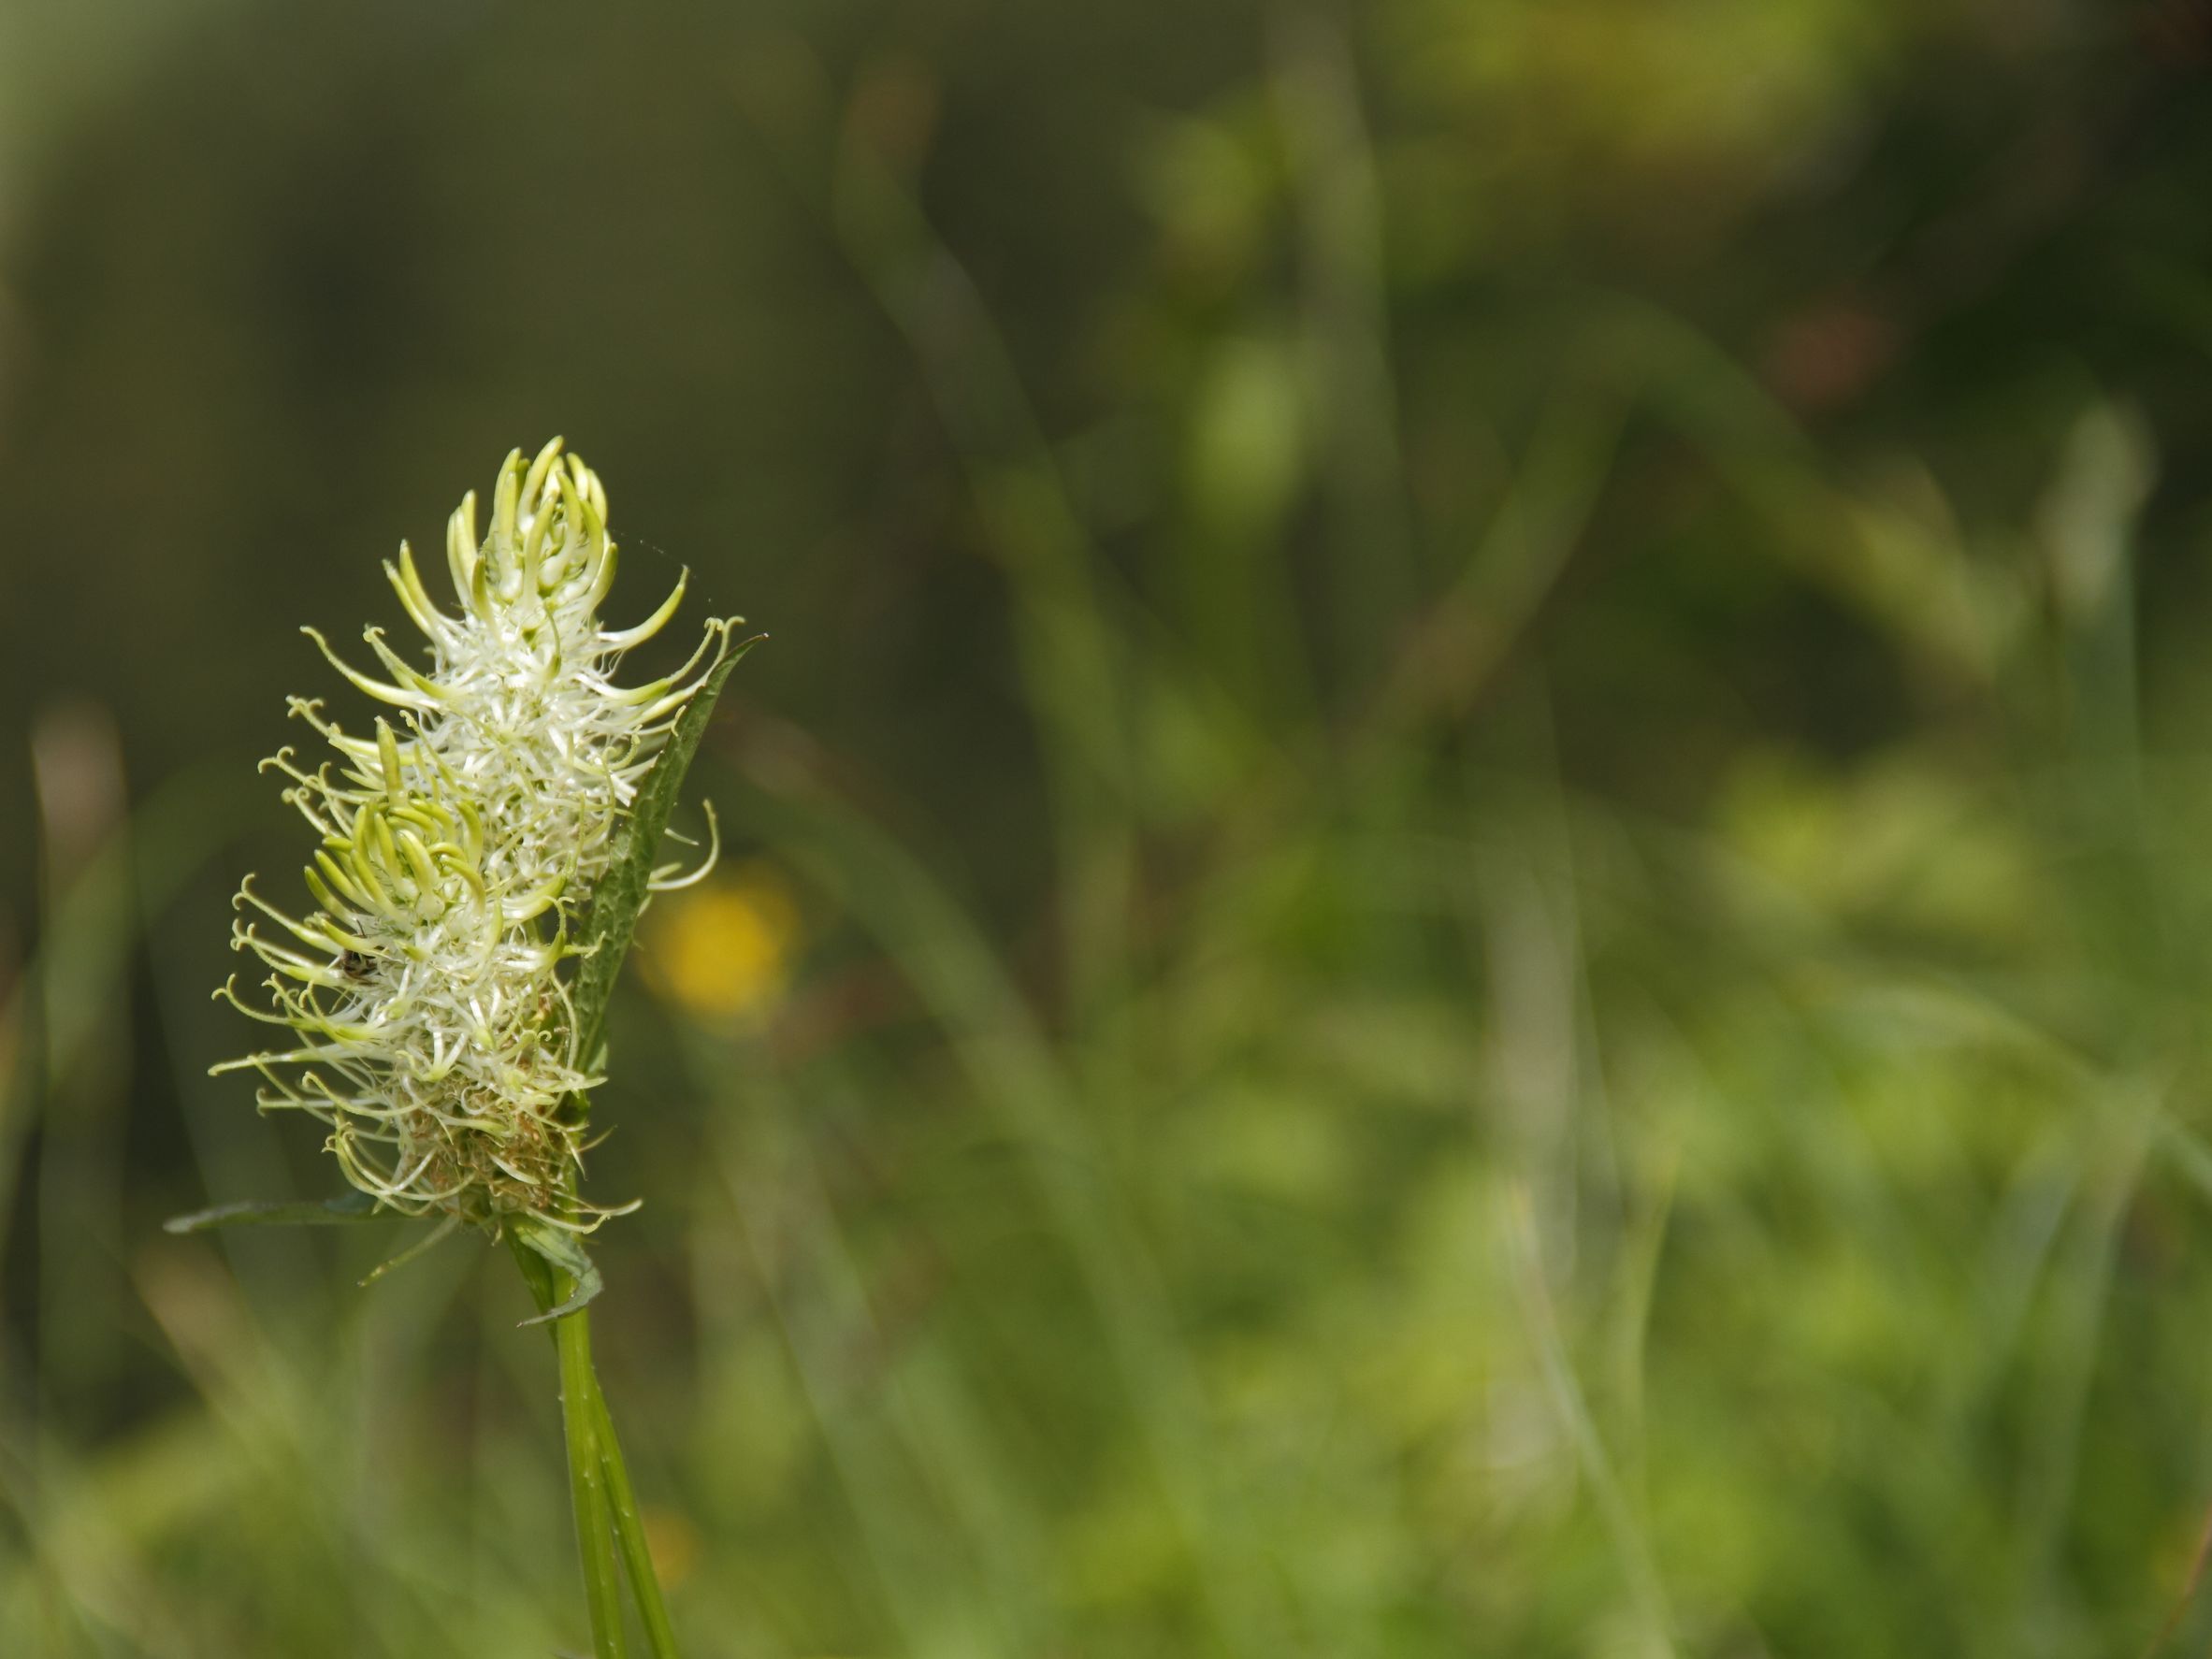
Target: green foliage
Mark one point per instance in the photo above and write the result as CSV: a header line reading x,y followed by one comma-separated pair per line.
x,y
1471,917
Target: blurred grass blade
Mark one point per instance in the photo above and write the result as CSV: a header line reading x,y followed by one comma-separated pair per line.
x,y
1624,1527
330,1212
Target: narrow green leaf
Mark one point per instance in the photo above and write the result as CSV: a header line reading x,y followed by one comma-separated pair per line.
x,y
622,892
630,1532
587,1489
562,1248
330,1212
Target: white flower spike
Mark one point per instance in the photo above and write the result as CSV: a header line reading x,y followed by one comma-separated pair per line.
x,y
431,1025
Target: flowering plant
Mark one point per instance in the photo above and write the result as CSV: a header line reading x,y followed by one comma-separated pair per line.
x,y
482,861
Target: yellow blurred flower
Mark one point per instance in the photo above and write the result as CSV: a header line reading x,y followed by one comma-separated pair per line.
x,y
723,950
673,1544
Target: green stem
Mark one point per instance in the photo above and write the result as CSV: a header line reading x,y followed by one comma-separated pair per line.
x,y
588,1481
581,1411
630,1532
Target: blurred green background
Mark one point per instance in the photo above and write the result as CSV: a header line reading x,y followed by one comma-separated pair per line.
x,y
1471,900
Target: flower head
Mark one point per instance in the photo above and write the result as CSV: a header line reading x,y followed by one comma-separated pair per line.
x,y
431,1025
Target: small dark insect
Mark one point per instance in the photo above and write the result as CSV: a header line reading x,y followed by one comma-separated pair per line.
x,y
354,966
